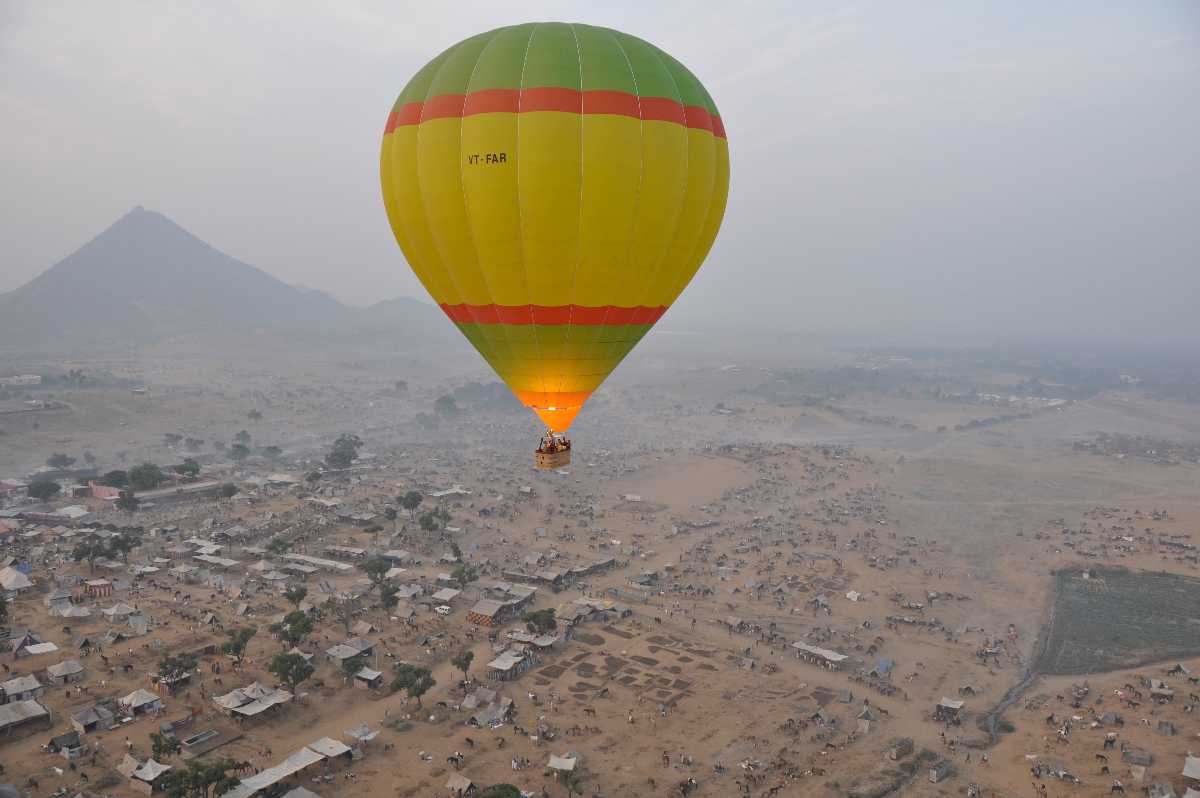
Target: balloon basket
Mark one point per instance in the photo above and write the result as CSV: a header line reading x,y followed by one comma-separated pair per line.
x,y
549,461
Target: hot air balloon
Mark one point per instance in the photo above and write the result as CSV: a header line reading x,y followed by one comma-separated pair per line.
x,y
554,187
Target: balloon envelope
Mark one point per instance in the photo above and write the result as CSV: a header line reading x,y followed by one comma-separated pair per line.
x,y
554,187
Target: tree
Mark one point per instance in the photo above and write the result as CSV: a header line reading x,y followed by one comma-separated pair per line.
x,y
464,575
411,501
124,542
388,596
540,622
239,452
146,476
228,490
572,780
401,386
3,609
463,661
60,461
43,489
115,479
456,550
200,780
172,438
162,746
189,468
312,477
242,437
390,514
295,594
128,502
278,546
254,415
89,458
376,569
291,669
90,549
429,522
173,667
445,406
294,627
272,453
238,640
413,679
501,791
344,451
345,610
193,444
350,667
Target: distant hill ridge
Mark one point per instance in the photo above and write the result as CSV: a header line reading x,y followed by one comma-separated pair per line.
x,y
146,278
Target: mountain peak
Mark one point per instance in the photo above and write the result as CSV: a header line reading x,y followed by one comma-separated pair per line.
x,y
145,277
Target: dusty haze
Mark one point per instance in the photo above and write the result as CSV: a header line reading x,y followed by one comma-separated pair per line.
x,y
941,170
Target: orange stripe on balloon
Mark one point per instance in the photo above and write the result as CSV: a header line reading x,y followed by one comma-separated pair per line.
x,y
555,98
608,315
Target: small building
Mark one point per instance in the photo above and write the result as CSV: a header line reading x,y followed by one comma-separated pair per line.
x,y
68,745
368,679
21,688
348,649
900,748
21,716
13,582
93,719
486,612
141,701
460,786
98,588
948,710
509,665
940,772
143,776
68,671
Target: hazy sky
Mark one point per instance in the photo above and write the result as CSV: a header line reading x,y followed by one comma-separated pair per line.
x,y
941,167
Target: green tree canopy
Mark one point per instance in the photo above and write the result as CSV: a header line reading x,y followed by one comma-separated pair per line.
x,y
115,479
295,594
291,669
89,550
540,621
163,746
376,569
229,490
59,460
445,406
294,627
278,546
413,679
125,541
188,468
463,661
146,476
239,452
344,451
43,489
242,437
199,779
173,667
411,501
129,503
238,640
501,791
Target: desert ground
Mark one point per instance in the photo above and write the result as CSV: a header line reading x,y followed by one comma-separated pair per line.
x,y
947,545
